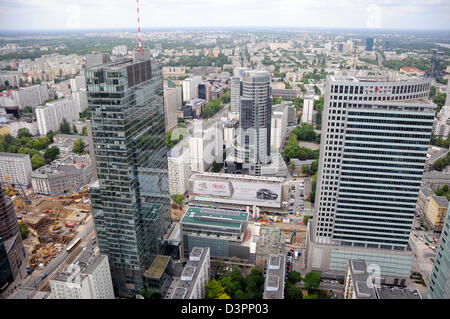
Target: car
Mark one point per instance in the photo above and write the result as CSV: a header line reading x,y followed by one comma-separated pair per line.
x,y
264,193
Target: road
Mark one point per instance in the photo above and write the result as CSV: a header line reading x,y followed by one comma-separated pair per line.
x,y
30,284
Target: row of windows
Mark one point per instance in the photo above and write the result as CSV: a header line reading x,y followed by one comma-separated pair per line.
x,y
387,171
383,188
375,203
359,218
376,164
377,160
388,128
395,89
371,151
393,115
378,121
355,238
342,194
345,179
366,211
396,229
383,140
396,177
391,134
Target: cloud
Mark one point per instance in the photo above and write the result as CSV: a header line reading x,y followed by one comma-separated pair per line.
x,y
52,14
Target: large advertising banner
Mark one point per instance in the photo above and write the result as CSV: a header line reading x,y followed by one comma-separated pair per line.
x,y
241,193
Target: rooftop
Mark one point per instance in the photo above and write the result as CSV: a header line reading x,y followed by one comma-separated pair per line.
x,y
440,200
215,217
397,293
274,282
156,269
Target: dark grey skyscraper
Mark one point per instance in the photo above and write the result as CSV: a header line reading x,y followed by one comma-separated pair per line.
x,y
11,239
369,44
255,116
131,201
437,64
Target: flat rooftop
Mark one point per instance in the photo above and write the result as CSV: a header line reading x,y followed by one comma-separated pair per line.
x,y
274,281
397,293
215,217
156,269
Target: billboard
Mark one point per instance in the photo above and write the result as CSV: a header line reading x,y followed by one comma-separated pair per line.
x,y
234,192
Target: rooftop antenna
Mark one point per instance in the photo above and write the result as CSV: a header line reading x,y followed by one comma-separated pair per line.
x,y
139,27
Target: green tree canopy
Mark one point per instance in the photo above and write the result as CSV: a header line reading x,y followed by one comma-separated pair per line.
x,y
64,127
51,154
23,132
312,280
37,161
214,289
294,277
178,198
78,146
292,292
255,284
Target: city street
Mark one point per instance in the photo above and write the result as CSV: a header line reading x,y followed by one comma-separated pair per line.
x,y
30,285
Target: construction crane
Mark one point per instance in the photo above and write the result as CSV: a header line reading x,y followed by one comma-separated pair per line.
x,y
10,190
27,200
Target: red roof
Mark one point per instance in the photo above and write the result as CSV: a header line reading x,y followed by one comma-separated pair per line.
x,y
411,69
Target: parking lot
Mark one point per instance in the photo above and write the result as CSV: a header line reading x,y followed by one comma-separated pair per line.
x,y
296,200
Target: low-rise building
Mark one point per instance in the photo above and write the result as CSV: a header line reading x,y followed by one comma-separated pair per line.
x,y
17,167
434,153
436,212
195,275
63,176
274,281
226,232
88,278
435,180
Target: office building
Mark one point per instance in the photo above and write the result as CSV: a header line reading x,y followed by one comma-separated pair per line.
x,y
279,125
360,284
17,167
172,103
437,64
95,59
255,117
375,137
274,281
439,284
88,277
63,176
206,145
30,96
5,270
308,109
436,212
50,116
204,92
11,239
119,50
179,168
369,44
190,88
131,199
236,93
442,122
80,99
78,83
195,275
227,233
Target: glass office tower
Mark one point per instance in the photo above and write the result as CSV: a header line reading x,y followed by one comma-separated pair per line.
x,y
130,200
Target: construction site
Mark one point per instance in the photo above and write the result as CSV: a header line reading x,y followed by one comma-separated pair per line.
x,y
48,223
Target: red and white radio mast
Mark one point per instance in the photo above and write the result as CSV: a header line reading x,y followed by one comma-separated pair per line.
x,y
139,27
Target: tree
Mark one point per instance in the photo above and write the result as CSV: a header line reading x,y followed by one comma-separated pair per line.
x,y
74,129
150,294
178,198
51,154
255,284
24,231
432,91
439,99
230,285
305,132
306,169
226,97
217,268
23,132
223,296
78,146
64,127
37,161
50,135
312,281
294,277
314,167
292,292
440,164
40,143
306,219
214,289
27,110
84,131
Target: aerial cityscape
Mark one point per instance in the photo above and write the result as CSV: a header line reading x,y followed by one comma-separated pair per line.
x,y
149,150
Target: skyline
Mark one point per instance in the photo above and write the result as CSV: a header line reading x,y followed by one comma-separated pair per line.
x,y
22,15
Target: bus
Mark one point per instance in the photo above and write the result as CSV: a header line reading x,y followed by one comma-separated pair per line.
x,y
73,245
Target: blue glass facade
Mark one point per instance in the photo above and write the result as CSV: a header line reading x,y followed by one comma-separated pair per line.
x,y
131,202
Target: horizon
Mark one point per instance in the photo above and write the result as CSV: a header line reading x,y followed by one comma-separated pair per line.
x,y
72,15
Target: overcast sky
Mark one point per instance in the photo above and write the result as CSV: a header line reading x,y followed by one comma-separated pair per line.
x,y
94,14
